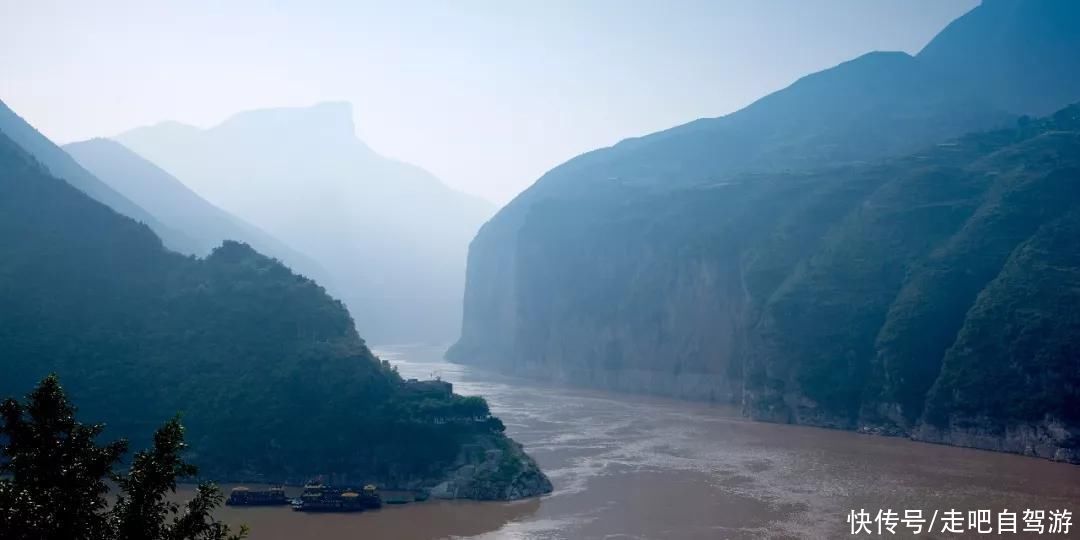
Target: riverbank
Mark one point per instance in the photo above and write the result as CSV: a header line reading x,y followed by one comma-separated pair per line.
x,y
1047,439
414,521
641,467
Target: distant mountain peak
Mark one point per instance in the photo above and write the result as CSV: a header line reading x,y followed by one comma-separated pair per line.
x,y
1023,55
172,124
339,107
391,236
331,120
61,165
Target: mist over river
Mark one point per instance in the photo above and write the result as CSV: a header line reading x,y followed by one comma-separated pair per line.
x,y
634,467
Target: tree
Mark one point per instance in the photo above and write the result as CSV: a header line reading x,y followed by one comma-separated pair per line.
x,y
57,471
473,408
53,479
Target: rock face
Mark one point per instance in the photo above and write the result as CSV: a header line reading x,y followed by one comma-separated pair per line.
x,y
493,469
832,255
878,105
1044,440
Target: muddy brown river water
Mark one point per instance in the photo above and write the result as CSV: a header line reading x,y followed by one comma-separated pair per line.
x,y
632,467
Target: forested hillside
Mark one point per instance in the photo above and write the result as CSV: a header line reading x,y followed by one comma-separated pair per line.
x,y
877,326
61,165
925,295
830,255
268,371
878,105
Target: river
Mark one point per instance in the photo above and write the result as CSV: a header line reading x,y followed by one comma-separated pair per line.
x,y
633,467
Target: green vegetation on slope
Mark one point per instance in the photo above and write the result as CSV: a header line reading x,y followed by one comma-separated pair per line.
x,y
787,257
268,371
878,105
61,165
1016,355
891,285
847,297
54,474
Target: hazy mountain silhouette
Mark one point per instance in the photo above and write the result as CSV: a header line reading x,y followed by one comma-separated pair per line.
x,y
392,236
138,333
756,257
877,105
63,166
1018,54
176,206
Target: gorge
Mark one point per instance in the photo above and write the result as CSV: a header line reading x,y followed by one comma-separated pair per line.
x,y
837,254
259,361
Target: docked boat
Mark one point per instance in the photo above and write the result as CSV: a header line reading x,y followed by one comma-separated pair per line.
x,y
319,498
242,496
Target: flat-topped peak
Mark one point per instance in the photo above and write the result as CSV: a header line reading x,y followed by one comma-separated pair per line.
x,y
326,119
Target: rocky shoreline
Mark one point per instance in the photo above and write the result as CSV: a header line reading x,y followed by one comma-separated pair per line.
x,y
1049,439
493,470
491,467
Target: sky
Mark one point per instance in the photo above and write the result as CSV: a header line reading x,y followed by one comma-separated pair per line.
x,y
485,94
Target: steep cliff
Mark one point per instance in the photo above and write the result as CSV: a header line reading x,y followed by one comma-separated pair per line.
x,y
877,105
860,330
831,255
855,297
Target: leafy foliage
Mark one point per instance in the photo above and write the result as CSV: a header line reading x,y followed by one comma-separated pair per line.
x,y
53,479
268,370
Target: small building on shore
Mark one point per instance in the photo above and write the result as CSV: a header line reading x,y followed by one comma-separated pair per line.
x,y
436,387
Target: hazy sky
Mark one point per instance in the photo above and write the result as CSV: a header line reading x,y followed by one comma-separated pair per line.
x,y
485,94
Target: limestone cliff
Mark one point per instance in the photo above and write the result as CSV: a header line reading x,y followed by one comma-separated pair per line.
x,y
838,253
924,295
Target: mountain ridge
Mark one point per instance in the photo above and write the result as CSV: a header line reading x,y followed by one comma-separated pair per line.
x,y
170,201
63,166
139,333
1023,51
328,194
780,256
